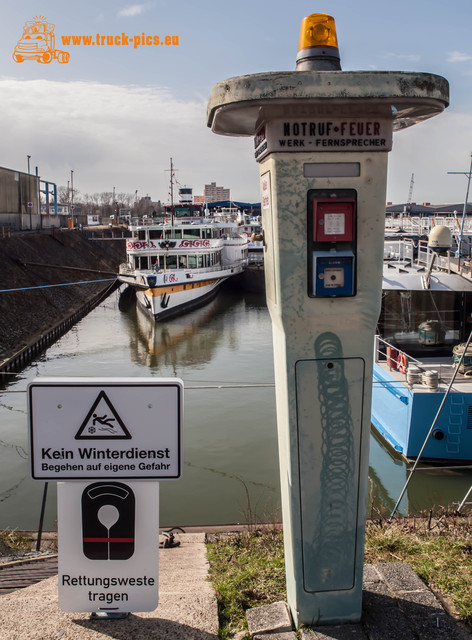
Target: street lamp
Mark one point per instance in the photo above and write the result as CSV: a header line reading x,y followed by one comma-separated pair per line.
x,y
28,163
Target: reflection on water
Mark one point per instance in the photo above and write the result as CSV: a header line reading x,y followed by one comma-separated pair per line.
x,y
230,442
431,488
181,342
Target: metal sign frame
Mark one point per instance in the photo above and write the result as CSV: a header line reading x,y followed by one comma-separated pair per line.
x,y
96,428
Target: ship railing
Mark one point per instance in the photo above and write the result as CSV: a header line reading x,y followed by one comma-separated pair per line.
x,y
198,270
256,258
399,249
396,359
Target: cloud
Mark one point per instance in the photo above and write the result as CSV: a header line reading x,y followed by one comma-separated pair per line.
x,y
119,136
132,10
409,57
430,150
457,56
123,136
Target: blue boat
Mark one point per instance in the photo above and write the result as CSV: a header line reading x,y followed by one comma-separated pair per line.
x,y
421,355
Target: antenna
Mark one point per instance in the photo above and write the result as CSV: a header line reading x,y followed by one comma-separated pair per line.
x,y
410,192
172,189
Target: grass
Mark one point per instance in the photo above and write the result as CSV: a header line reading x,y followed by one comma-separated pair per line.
x,y
247,568
438,548
11,540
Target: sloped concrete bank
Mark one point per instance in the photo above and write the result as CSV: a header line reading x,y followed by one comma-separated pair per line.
x,y
32,318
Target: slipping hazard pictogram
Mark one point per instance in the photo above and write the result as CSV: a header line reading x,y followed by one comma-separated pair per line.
x,y
103,422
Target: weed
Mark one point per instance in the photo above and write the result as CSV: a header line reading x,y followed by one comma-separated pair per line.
x,y
247,570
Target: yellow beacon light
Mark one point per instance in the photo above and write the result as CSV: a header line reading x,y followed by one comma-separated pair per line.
x,y
318,44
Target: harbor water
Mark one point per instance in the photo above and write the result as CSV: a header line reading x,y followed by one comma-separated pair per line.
x,y
223,353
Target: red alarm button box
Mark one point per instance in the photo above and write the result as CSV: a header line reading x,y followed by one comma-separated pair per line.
x,y
333,220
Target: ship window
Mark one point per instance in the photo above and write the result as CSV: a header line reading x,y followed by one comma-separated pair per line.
x,y
177,233
200,261
155,234
192,262
136,262
143,262
191,233
182,262
171,262
154,261
415,321
141,235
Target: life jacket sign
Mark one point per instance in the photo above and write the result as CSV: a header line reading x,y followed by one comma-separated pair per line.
x,y
108,542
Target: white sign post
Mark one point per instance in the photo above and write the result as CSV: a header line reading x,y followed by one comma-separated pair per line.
x,y
107,432
83,428
108,546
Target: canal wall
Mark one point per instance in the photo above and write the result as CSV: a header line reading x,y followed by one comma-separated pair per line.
x,y
32,318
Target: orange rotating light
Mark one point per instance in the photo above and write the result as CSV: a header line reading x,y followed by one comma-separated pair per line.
x,y
318,44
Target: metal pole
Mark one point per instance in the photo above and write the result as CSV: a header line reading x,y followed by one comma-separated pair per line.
x,y
41,517
412,470
463,501
464,209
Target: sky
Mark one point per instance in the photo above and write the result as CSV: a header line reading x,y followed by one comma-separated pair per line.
x,y
116,115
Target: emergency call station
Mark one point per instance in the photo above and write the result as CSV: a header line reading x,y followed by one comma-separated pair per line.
x,y
321,138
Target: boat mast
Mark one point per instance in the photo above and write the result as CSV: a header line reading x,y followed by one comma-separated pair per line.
x,y
172,191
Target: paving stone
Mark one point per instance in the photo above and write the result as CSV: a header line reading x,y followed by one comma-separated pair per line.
x,y
371,574
377,594
399,576
436,625
334,632
272,617
387,623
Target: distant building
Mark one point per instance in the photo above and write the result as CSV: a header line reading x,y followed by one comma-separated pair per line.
x,y
212,193
198,199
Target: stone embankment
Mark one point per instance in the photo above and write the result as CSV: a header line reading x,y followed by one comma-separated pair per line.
x,y
47,259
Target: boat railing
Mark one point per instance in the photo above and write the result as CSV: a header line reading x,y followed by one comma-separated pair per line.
x,y
423,225
401,249
415,371
396,359
199,270
255,257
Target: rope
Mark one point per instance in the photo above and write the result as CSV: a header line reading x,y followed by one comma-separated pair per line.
x,y
64,284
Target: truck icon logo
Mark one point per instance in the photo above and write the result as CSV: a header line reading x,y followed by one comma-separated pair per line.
x,y
38,43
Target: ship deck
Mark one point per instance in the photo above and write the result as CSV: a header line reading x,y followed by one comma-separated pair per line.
x,y
445,368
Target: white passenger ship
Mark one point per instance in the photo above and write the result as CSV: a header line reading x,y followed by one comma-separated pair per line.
x,y
178,267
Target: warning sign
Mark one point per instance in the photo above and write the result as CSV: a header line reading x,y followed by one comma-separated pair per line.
x,y
102,422
104,429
